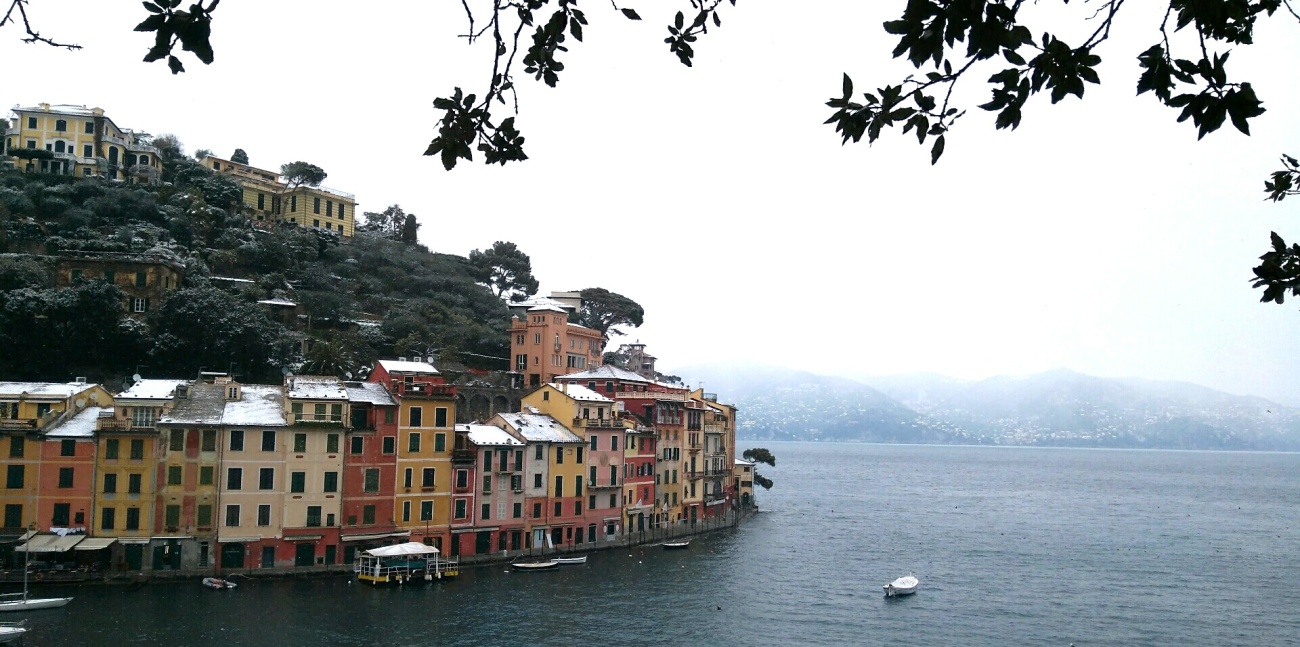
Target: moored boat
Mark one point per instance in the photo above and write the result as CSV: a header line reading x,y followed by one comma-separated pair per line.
x,y
905,585
11,631
535,566
571,560
677,545
31,604
218,583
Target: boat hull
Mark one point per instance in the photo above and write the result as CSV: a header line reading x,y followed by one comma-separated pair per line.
x,y
10,634
571,560
677,545
536,566
33,604
901,586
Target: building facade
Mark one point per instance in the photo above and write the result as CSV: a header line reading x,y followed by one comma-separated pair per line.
x,y
80,141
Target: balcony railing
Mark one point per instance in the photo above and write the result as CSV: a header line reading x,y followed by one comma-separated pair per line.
x,y
649,395
17,424
714,429
423,390
594,423
604,486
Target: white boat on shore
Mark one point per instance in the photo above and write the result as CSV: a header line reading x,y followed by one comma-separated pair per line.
x,y
571,560
905,585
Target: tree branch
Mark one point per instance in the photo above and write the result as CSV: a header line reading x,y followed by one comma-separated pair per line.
x,y
32,35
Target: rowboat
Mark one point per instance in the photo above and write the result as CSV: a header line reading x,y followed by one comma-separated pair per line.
x,y
11,631
218,584
535,566
905,585
571,560
677,545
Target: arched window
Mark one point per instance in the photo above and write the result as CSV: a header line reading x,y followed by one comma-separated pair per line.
x,y
58,147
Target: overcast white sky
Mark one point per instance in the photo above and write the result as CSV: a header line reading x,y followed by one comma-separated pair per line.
x,y
1100,236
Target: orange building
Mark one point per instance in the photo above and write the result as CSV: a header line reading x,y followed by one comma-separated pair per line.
x,y
545,345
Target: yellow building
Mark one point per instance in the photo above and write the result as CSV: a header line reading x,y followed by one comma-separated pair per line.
x,y
554,473
313,464
719,438
269,198
426,418
76,140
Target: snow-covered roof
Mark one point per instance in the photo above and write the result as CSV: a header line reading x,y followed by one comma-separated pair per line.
x,y
317,387
369,393
536,427
607,372
741,461
580,393
203,405
151,390
541,302
259,405
278,302
81,425
401,366
60,108
43,389
230,279
409,548
548,308
488,435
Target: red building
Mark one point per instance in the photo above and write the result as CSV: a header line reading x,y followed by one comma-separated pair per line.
x,y
369,470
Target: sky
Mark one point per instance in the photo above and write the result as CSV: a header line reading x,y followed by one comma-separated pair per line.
x,y
1100,236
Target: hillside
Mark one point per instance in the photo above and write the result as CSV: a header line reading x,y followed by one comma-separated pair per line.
x,y
1057,408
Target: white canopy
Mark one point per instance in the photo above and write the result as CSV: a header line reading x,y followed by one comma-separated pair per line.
x,y
409,548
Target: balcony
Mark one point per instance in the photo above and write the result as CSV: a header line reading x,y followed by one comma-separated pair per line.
x,y
649,395
464,456
115,140
604,486
142,148
17,425
423,390
694,476
594,423
714,429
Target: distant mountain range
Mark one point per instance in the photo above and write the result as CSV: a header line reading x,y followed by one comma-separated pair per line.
x,y
1057,408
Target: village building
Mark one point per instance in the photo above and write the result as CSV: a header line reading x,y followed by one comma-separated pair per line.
x,y
498,461
268,197
545,345
145,279
80,141
369,470
555,467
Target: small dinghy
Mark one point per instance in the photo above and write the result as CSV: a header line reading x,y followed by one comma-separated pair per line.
x,y
535,566
571,560
677,545
218,584
902,586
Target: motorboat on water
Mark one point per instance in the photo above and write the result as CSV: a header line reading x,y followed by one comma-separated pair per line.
x,y
218,583
677,545
535,566
571,560
905,585
11,631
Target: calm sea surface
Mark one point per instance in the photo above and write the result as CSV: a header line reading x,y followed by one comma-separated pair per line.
x,y
1012,547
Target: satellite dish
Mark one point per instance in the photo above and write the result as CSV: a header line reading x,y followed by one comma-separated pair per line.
x,y
94,397
81,403
348,375
136,377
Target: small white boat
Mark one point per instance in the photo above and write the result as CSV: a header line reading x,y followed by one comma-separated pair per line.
x,y
902,586
31,604
218,583
535,566
677,545
11,631
571,560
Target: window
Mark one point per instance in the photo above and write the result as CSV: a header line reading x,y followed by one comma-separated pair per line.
x,y
264,514
577,485
460,508
426,509
462,479
297,411
300,442
133,483
416,416
232,516
261,201
172,516
368,515
331,481
174,475
65,477
206,474
235,478
332,440
107,518
537,453
110,277
516,482
266,478
487,511
371,482
356,445
537,481
293,203
594,438
487,460
14,477
389,416
202,516
313,516
236,440
559,509
487,484
297,481
580,448
559,455
61,125
268,441
440,417
440,441
591,478
426,477
318,411
137,449
591,502
177,440
141,279
341,215
537,510
90,129
111,448
406,479
110,483
316,206
133,518
559,486
209,440
577,508
67,448
413,443
518,510
329,208
390,442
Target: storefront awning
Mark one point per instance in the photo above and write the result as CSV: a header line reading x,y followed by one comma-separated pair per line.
x,y
238,540
304,537
376,535
50,544
95,543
